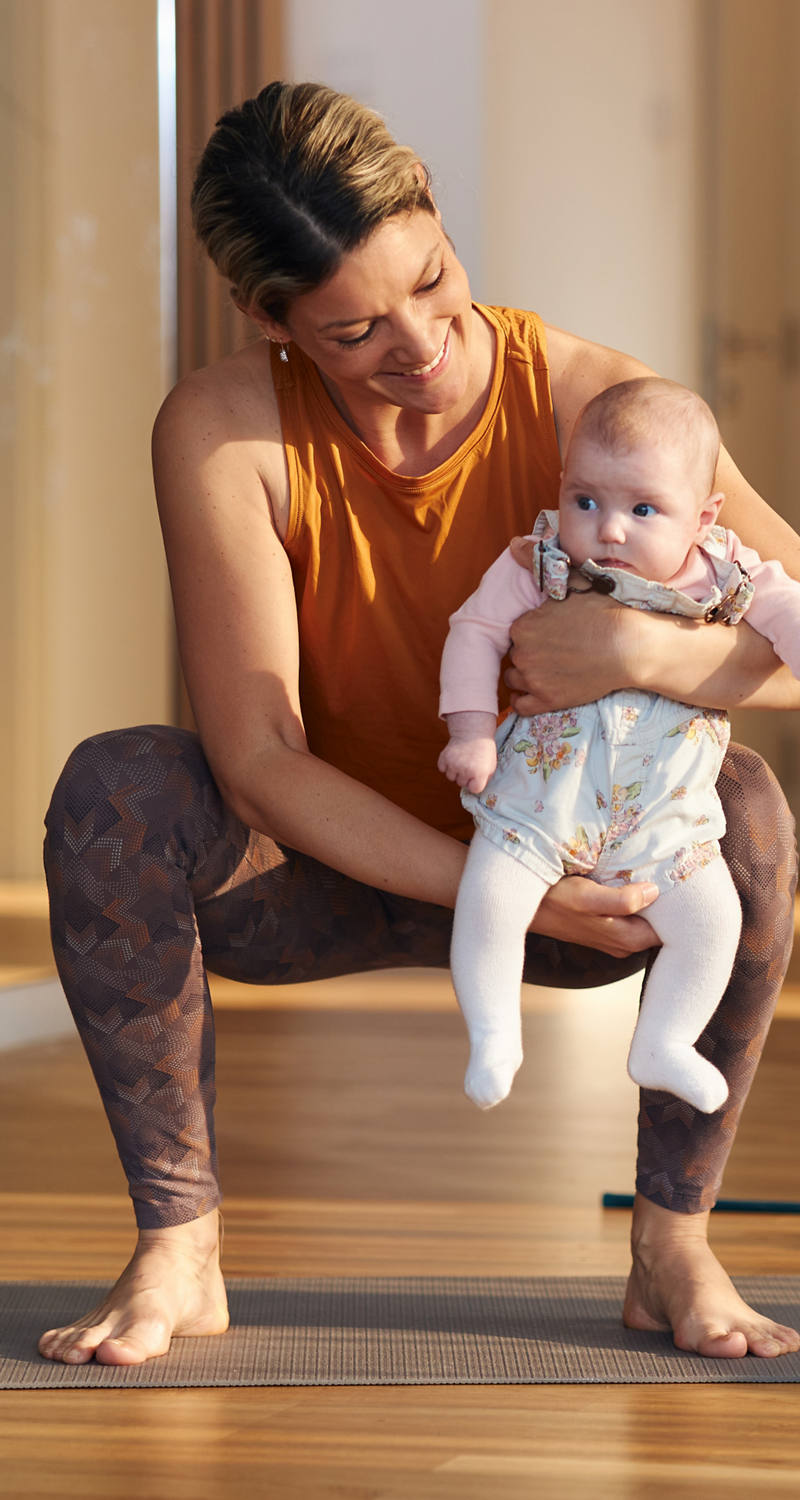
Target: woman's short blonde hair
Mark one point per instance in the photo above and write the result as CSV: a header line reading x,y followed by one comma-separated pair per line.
x,y
290,182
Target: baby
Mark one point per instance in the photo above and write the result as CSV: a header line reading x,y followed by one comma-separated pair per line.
x,y
621,789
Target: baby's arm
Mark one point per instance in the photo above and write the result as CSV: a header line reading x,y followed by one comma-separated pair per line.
x,y
478,640
775,608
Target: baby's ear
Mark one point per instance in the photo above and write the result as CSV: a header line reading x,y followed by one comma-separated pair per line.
x,y
708,515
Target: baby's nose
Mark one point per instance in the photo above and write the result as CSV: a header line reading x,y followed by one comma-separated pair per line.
x,y
612,529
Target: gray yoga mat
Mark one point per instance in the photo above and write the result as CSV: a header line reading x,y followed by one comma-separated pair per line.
x,y
397,1331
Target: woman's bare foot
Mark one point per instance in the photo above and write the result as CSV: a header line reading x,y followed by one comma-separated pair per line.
x,y
172,1285
677,1283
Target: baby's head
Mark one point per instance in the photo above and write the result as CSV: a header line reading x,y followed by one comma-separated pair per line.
x,y
636,491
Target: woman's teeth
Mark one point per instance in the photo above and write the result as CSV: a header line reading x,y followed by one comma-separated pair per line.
x,y
426,369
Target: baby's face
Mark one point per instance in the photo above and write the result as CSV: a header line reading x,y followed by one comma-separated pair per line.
x,y
642,511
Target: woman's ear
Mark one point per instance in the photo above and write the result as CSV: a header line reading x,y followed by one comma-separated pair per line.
x,y
269,326
424,177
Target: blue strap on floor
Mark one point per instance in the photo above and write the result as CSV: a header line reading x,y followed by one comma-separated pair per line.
x,y
723,1206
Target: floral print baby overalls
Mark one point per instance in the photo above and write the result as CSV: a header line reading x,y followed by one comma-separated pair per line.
x,y
623,788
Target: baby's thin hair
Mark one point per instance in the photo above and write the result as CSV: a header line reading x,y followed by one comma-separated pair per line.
x,y
640,411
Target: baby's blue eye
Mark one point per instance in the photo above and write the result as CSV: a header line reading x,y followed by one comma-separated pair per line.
x,y
644,509
585,502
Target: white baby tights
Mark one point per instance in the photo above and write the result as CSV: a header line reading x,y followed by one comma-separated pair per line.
x,y
698,921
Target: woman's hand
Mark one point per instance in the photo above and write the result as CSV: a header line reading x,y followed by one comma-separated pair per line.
x,y
571,652
578,910
575,651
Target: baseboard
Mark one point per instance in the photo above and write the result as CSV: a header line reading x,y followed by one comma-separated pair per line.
x,y
36,1011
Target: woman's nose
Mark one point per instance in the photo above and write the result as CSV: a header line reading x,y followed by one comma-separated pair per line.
x,y
416,343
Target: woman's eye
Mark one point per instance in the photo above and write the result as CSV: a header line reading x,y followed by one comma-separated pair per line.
x,y
431,286
354,343
644,510
585,502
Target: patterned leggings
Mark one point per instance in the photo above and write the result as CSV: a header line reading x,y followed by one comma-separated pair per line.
x,y
152,880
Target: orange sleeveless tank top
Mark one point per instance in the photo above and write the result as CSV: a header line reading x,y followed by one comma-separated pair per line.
x,y
381,560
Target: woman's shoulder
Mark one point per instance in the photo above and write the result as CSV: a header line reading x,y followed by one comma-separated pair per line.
x,y
235,393
223,420
579,370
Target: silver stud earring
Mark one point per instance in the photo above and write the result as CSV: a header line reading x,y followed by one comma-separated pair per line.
x,y
283,356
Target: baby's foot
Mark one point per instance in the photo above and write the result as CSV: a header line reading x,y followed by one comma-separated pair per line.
x,y
680,1071
491,1072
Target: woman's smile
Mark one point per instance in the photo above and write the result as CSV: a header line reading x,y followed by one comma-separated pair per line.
x,y
434,367
394,324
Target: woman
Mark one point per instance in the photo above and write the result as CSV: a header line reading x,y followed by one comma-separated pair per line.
x,y
327,496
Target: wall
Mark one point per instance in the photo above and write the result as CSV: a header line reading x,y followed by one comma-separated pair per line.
x,y
563,143
590,176
420,65
754,280
84,612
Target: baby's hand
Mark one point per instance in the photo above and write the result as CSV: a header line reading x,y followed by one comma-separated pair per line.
x,y
469,762
470,757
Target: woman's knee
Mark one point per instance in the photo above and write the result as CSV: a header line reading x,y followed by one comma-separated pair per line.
x,y
144,757
759,844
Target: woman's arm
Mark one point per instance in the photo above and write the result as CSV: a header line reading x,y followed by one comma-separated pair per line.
x,y
713,666
237,633
718,667
753,520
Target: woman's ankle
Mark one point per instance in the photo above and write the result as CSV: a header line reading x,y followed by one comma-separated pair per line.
x,y
653,1226
201,1236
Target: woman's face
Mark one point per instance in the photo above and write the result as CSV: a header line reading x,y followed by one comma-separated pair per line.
x,y
394,322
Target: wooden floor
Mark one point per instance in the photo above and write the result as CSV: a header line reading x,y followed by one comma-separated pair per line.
x,y
347,1147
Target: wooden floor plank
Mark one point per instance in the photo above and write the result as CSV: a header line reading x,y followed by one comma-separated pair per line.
x,y
347,1148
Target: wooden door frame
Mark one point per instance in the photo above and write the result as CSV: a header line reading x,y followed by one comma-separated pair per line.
x,y
225,52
